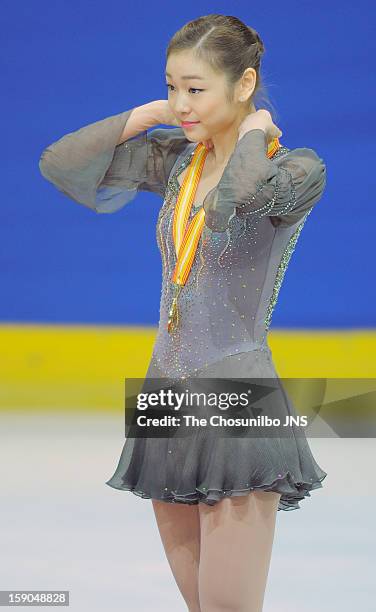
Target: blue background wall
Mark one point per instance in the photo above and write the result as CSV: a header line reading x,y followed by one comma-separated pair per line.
x,y
67,64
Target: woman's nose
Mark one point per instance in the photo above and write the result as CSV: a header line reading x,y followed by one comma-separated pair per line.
x,y
181,106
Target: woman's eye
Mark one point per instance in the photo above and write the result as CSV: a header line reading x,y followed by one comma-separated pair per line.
x,y
191,88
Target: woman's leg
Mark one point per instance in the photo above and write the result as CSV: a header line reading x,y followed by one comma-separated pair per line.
x,y
179,528
236,542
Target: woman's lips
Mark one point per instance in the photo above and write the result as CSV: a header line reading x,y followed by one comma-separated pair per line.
x,y
189,123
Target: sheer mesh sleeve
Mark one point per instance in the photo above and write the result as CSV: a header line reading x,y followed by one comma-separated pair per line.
x,y
254,184
91,168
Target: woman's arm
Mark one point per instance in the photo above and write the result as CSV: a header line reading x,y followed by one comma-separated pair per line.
x,y
104,164
142,118
254,184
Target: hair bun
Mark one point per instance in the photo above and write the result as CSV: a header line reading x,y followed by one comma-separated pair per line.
x,y
257,44
261,46
258,49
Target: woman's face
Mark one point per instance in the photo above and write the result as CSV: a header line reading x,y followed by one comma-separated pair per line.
x,y
200,98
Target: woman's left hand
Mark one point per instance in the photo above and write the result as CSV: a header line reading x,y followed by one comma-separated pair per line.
x,y
261,119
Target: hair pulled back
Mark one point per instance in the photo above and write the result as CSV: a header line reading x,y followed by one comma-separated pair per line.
x,y
229,46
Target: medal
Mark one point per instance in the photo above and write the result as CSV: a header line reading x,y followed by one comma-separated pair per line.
x,y
173,313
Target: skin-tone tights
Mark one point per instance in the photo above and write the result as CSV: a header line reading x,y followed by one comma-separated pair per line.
x,y
220,555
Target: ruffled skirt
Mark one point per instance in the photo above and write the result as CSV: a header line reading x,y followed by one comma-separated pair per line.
x,y
206,467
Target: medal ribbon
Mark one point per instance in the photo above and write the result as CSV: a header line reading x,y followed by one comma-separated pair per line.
x,y
186,237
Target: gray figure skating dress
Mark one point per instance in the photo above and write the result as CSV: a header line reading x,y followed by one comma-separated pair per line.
x,y
253,219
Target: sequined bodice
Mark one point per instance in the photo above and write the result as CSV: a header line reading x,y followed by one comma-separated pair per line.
x,y
226,304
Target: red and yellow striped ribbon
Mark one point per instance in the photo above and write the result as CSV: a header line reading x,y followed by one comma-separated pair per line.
x,y
186,237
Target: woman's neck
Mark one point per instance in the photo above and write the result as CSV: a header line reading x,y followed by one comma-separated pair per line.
x,y
225,141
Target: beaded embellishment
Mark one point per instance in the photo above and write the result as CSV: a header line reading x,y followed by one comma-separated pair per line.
x,y
272,205
173,183
286,256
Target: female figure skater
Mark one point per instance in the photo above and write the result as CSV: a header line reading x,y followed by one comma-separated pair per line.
x,y
235,201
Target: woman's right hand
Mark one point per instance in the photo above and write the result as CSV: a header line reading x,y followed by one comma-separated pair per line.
x,y
164,114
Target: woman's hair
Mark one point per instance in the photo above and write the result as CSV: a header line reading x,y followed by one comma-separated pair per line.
x,y
229,46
